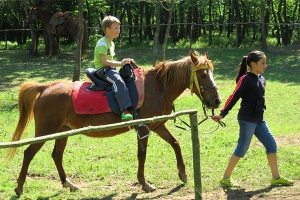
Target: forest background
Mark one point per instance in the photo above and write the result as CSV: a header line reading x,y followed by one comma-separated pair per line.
x,y
222,23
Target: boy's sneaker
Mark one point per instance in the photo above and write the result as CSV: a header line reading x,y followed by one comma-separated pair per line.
x,y
126,116
281,181
226,182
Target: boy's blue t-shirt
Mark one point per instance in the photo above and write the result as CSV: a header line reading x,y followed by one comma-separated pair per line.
x,y
103,47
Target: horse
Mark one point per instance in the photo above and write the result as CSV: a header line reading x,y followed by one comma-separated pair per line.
x,y
69,27
51,106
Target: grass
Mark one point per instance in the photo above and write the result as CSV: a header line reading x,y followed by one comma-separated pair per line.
x,y
106,168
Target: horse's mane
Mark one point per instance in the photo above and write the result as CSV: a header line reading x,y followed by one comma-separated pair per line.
x,y
175,72
179,72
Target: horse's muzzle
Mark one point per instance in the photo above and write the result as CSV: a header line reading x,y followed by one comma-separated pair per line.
x,y
214,102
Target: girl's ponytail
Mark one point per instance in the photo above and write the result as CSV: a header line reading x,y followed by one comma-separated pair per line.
x,y
242,68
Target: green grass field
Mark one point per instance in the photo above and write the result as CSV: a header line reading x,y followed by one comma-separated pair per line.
x,y
106,168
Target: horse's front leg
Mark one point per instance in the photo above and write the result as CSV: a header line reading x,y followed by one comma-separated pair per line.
x,y
165,134
142,151
29,153
57,156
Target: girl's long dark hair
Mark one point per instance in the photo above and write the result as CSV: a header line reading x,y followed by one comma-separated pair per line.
x,y
253,56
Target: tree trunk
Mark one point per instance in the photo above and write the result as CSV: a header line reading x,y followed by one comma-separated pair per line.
x,y
168,29
148,31
276,26
129,16
210,23
157,31
263,32
77,64
238,21
88,15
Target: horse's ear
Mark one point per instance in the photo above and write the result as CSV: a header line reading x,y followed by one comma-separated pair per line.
x,y
193,57
206,54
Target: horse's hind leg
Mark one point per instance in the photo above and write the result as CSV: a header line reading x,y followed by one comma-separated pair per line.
x,y
58,47
142,151
29,153
57,156
165,134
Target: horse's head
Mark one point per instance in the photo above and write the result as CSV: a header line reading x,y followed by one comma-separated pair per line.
x,y
202,80
31,17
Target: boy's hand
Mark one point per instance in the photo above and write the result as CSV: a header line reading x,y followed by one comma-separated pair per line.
x,y
126,61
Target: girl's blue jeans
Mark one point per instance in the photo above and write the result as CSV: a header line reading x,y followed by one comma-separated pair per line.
x,y
261,131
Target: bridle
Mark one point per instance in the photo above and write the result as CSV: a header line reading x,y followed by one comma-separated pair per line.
x,y
194,79
201,89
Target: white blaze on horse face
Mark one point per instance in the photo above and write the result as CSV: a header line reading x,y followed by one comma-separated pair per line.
x,y
211,77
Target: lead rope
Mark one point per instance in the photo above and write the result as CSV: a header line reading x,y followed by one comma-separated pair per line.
x,y
220,123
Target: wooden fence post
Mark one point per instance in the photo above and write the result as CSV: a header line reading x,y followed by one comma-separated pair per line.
x,y
196,156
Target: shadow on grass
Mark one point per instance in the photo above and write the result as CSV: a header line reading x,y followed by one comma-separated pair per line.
x,y
176,189
16,197
109,197
241,194
15,70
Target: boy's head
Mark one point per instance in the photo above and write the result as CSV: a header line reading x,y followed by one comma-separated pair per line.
x,y
108,21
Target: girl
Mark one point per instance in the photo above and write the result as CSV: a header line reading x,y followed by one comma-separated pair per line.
x,y
250,88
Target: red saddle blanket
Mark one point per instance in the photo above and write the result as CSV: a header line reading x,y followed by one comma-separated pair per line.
x,y
87,102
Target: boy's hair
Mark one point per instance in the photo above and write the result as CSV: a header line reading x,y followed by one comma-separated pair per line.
x,y
108,21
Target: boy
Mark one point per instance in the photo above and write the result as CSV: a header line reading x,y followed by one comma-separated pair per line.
x,y
103,60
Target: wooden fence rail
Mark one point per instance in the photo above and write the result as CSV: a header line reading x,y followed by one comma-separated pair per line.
x,y
88,129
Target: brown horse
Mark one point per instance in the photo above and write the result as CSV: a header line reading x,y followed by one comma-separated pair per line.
x,y
68,28
51,106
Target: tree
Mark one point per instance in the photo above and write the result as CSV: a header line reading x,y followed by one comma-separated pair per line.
x,y
263,32
171,10
157,31
77,64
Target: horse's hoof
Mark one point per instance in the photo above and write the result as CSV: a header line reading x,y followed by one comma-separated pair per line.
x,y
74,189
18,191
148,187
183,176
69,184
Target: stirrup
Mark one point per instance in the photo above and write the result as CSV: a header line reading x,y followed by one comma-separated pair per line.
x,y
137,132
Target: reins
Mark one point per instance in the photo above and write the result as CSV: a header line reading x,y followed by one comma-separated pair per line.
x,y
194,79
220,123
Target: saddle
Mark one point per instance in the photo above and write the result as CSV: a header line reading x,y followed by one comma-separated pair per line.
x,y
58,18
128,73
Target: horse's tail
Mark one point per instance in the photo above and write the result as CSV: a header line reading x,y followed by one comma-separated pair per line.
x,y
27,96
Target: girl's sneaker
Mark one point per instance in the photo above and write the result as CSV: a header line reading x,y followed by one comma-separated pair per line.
x,y
226,182
281,181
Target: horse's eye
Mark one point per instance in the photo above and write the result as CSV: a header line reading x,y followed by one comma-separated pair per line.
x,y
203,75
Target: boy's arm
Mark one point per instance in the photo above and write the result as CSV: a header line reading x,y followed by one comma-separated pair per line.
x,y
106,62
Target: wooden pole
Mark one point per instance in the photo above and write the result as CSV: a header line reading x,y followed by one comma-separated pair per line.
x,y
196,156
90,129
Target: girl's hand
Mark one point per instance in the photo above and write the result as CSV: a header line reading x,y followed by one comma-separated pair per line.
x,y
217,118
